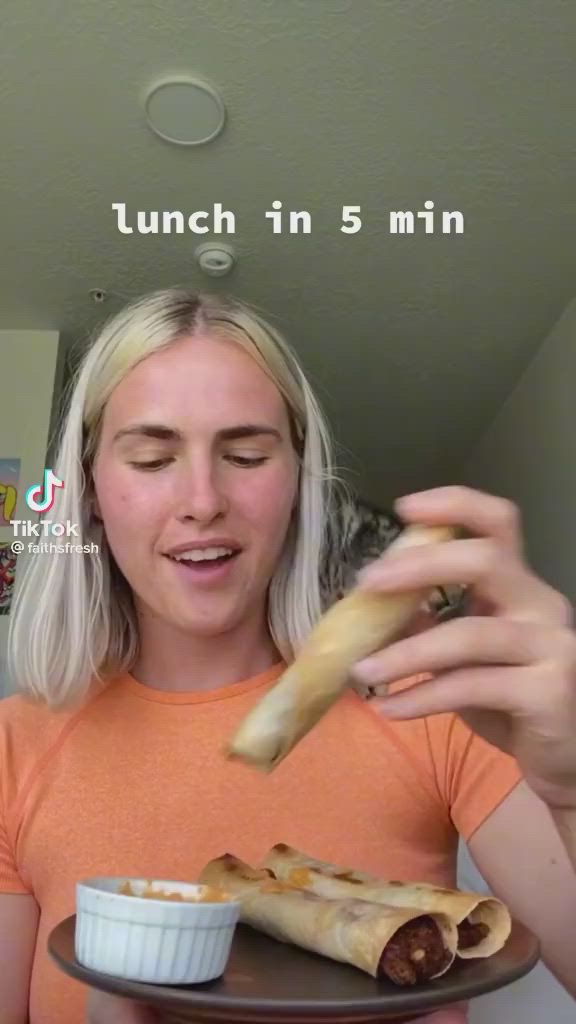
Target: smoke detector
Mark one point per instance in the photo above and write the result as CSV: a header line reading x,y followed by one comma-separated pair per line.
x,y
184,111
215,258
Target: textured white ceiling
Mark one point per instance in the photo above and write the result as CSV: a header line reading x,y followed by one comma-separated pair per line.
x,y
414,341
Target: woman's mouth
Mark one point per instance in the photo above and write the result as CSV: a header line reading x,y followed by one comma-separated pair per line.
x,y
210,562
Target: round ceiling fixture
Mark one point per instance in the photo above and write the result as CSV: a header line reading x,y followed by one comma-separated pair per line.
x,y
184,111
215,258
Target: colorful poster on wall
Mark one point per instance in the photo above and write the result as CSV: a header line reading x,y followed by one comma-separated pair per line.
x,y
9,476
7,576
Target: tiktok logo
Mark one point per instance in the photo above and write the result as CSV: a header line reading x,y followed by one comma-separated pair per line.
x,y
40,497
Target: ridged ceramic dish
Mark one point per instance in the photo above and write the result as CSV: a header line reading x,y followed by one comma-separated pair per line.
x,y
160,941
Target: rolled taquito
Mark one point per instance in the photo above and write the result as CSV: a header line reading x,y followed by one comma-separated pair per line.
x,y
398,943
483,922
354,627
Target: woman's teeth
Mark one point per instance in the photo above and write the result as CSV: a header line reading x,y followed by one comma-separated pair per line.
x,y
203,554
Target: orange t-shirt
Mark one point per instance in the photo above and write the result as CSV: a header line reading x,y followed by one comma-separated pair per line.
x,y
135,784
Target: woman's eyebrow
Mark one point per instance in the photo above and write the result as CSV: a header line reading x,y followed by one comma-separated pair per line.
x,y
162,433
247,430
154,430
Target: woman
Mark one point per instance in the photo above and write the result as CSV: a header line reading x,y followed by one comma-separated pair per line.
x,y
195,455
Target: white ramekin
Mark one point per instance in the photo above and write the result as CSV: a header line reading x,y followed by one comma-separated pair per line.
x,y
166,942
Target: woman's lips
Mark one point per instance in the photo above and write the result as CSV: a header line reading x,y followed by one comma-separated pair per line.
x,y
210,570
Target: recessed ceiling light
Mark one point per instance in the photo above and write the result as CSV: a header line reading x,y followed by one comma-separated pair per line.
x,y
184,111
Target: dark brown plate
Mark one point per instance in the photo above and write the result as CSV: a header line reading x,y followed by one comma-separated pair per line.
x,y
267,980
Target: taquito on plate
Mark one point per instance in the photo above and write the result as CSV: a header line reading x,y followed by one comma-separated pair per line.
x,y
483,922
401,944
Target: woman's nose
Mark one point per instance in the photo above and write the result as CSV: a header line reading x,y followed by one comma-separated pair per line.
x,y
201,496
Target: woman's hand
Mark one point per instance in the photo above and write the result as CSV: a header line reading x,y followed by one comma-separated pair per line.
x,y
452,1015
509,667
107,1009
103,1008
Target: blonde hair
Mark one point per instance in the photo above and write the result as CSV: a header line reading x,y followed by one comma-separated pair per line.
x,y
73,620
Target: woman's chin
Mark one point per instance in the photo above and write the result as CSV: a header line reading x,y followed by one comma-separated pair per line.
x,y
212,620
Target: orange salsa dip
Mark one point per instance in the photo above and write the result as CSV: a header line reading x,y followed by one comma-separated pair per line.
x,y
207,894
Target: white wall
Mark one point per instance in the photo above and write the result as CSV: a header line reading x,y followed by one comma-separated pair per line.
x,y
31,367
529,455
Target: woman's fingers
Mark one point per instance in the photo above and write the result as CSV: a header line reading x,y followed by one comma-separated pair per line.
x,y
459,690
539,691
104,1008
495,576
452,1015
484,515
468,641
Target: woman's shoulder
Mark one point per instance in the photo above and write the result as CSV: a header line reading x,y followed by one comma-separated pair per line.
x,y
27,720
24,711
30,731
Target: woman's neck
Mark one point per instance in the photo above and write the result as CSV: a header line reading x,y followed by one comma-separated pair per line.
x,y
174,661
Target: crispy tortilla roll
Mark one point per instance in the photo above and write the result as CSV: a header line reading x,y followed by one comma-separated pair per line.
x,y
359,624
483,922
397,943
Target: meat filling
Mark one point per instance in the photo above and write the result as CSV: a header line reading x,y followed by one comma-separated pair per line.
x,y
470,934
415,953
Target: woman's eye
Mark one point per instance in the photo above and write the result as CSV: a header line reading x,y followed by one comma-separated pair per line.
x,y
152,464
248,460
244,461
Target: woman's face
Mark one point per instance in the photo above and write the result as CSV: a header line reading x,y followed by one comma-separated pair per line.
x,y
195,480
